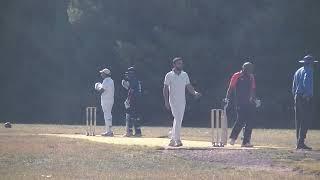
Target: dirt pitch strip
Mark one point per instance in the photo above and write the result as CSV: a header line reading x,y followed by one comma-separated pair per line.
x,y
158,143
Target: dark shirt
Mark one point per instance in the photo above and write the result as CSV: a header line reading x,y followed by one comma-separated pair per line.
x,y
303,82
135,88
243,86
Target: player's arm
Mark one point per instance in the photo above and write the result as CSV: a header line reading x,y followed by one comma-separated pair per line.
x,y
101,90
192,91
190,88
165,92
294,85
307,85
232,85
130,95
125,84
253,89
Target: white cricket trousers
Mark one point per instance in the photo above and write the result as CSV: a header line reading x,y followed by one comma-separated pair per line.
x,y
107,111
178,113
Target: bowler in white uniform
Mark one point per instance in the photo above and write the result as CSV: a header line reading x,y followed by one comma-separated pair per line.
x,y
175,84
107,99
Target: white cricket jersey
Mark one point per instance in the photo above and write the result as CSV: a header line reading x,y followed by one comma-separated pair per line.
x,y
177,87
108,86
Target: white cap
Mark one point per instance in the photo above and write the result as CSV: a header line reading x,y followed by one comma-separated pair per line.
x,y
105,71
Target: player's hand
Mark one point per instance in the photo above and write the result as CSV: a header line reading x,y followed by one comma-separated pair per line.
x,y
98,86
226,100
197,95
167,105
257,103
127,104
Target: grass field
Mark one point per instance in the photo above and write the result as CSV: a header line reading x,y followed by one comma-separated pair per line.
x,y
24,154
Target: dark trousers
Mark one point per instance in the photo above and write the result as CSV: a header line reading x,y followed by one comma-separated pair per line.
x,y
244,119
133,117
133,122
303,117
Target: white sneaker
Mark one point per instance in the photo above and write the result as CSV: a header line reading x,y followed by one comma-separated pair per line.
x,y
128,134
108,134
232,141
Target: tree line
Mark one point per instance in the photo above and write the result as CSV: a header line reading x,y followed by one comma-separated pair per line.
x,y
51,52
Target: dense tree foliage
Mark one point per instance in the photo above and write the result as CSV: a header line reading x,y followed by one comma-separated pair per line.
x,y
51,52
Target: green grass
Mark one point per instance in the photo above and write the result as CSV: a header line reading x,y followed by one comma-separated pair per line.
x,y
26,155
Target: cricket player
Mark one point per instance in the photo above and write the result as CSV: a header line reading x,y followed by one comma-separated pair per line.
x,y
243,89
133,103
175,84
302,90
106,88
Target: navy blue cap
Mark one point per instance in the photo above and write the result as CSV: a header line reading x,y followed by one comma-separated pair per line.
x,y
131,69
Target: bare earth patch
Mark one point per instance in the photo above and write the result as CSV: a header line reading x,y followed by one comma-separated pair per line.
x,y
237,159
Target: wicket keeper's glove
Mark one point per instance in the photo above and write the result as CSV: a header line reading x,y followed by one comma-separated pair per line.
x,y
127,104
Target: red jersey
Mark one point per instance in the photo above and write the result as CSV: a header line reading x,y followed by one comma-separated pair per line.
x,y
244,87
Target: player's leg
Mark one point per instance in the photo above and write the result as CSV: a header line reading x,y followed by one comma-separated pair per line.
x,y
298,120
305,122
238,125
137,119
129,124
107,111
137,126
248,117
170,119
178,113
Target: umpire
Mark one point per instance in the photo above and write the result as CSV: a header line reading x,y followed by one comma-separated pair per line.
x,y
302,90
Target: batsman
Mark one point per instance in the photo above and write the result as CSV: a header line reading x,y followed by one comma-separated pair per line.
x,y
243,89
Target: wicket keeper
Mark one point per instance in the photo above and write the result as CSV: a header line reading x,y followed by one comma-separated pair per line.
x,y
133,103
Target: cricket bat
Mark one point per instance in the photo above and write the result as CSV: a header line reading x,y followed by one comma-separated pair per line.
x,y
224,125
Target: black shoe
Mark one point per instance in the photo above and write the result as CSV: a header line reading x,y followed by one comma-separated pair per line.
x,y
137,135
179,143
247,145
299,146
172,143
303,147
